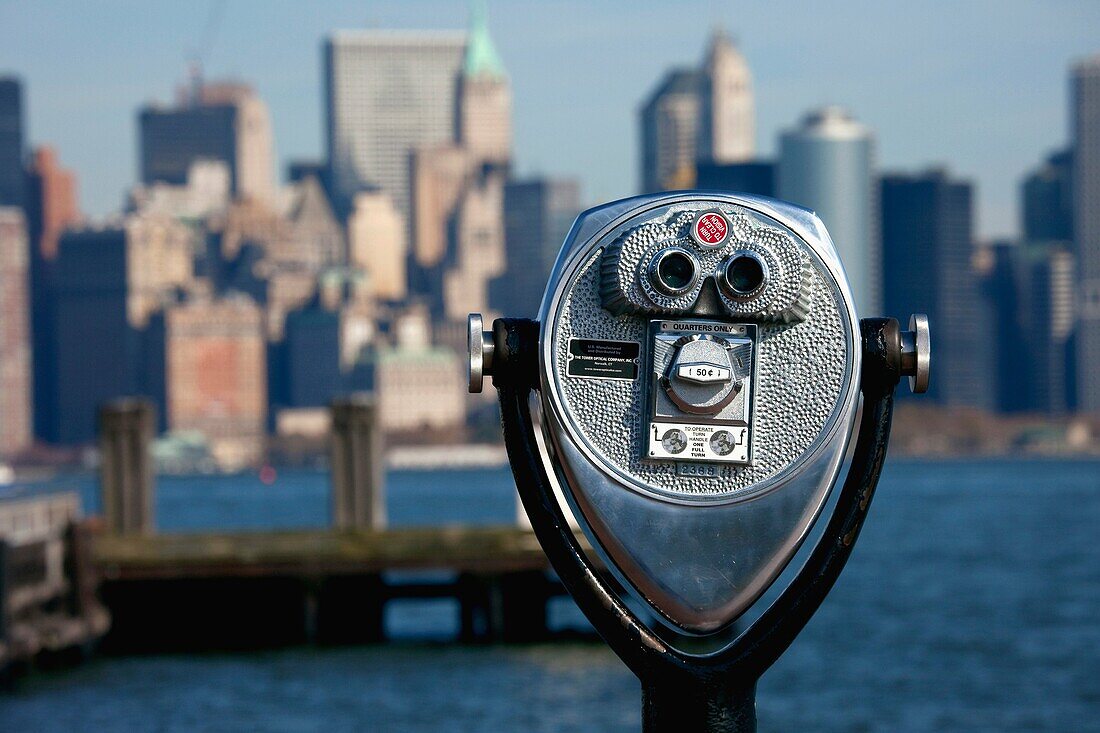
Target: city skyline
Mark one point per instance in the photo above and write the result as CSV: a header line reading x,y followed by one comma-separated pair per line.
x,y
409,224
988,103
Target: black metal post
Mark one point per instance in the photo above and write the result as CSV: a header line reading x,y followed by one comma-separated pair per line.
x,y
718,703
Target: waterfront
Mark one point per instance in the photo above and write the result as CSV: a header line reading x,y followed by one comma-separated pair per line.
x,y
971,603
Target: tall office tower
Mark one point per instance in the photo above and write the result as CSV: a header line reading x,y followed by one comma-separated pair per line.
x,y
215,375
537,216
378,245
703,114
728,126
1043,272
311,357
109,282
827,164
16,418
1046,200
928,246
998,272
324,339
754,177
1049,287
1032,286
476,255
439,175
51,202
11,142
458,230
1085,116
51,206
484,114
224,121
670,122
347,291
386,94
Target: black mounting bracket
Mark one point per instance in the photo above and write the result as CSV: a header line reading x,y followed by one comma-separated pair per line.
x,y
683,692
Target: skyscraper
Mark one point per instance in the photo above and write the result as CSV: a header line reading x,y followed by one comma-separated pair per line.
x,y
1032,286
827,164
51,206
15,342
439,175
1037,278
755,177
1048,274
1085,121
703,114
670,126
456,189
216,375
476,255
311,356
1046,200
109,282
537,216
727,131
377,245
225,122
11,142
484,119
386,94
928,247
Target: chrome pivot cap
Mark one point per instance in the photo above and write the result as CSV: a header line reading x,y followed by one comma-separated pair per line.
x,y
479,344
916,353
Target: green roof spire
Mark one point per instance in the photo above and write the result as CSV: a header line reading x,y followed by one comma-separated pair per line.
x,y
481,56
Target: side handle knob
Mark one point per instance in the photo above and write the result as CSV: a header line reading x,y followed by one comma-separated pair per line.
x,y
481,348
916,353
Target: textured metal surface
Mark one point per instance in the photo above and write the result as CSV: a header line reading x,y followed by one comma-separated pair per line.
x,y
682,690
802,366
625,285
699,547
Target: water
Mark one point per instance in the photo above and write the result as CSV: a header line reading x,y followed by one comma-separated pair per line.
x,y
971,604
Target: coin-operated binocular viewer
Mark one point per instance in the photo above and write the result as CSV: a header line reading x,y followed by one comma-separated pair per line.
x,y
691,388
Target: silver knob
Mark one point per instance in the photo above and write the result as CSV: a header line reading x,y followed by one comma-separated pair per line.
x,y
481,347
916,353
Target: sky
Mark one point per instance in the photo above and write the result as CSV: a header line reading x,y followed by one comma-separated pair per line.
x,y
977,85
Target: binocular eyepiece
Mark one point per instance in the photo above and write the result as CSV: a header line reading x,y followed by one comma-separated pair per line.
x,y
674,271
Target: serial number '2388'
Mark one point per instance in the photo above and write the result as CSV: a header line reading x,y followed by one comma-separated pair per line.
x,y
700,470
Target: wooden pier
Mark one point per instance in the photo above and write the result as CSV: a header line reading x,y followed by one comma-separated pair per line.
x,y
260,589
247,590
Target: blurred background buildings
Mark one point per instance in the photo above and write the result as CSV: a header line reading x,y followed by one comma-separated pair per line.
x,y
242,304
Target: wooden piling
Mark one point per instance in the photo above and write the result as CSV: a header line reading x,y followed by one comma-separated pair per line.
x,y
126,430
358,488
